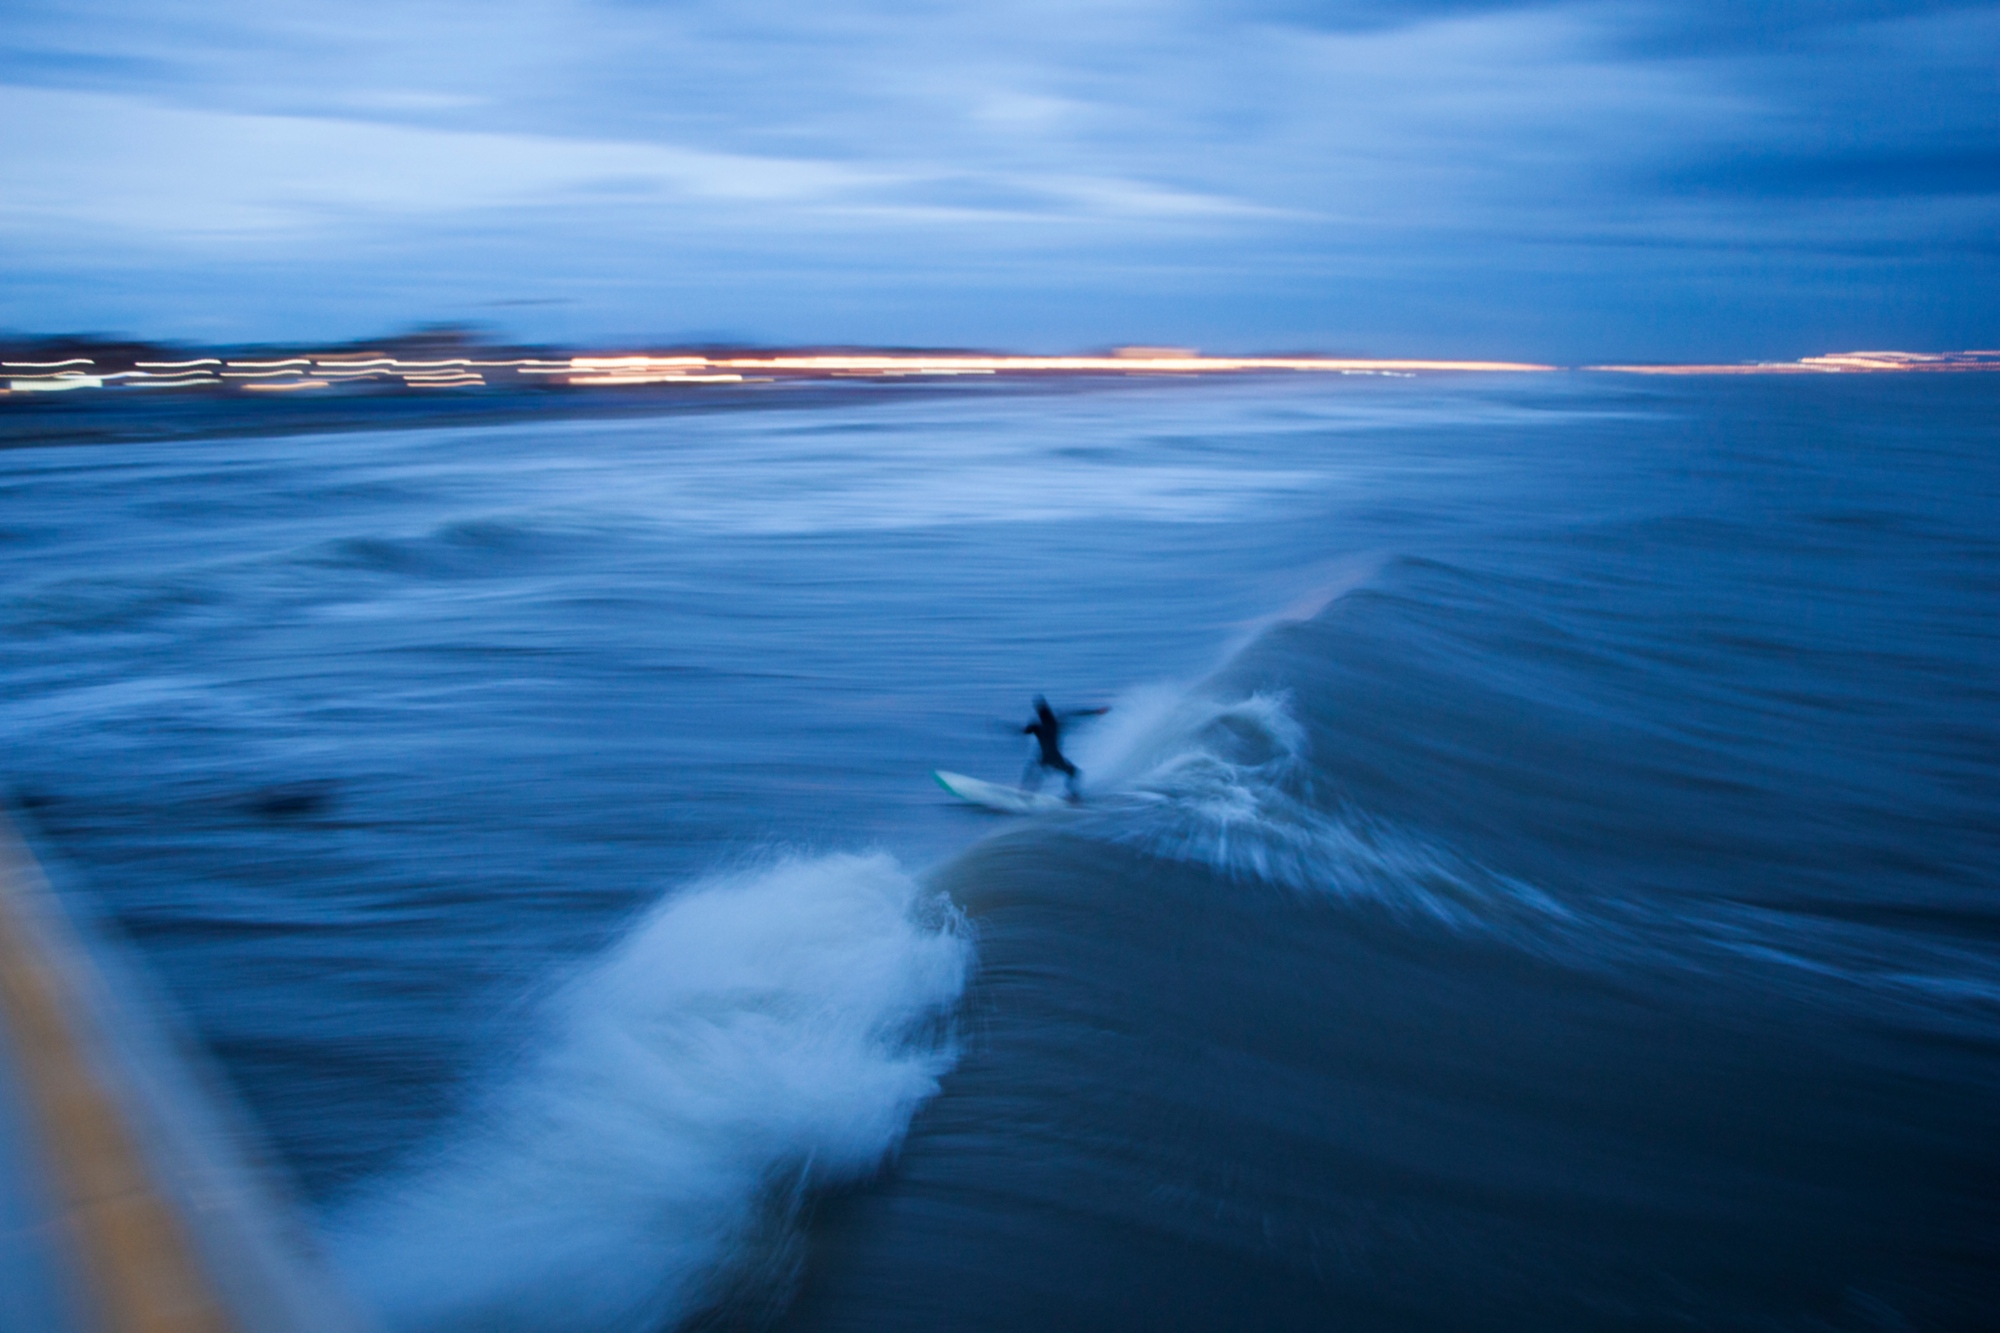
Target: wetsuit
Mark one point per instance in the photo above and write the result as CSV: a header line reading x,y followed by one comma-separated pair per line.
x,y
1047,731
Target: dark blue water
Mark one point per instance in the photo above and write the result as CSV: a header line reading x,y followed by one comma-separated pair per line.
x,y
1538,870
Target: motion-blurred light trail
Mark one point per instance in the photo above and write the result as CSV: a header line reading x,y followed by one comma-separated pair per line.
x,y
371,369
1833,363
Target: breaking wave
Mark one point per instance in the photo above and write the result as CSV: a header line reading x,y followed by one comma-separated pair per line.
x,y
1227,782
750,1039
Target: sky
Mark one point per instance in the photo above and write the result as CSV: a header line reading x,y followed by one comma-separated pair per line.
x,y
1660,179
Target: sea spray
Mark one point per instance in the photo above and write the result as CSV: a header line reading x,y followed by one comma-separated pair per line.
x,y
1226,781
751,1038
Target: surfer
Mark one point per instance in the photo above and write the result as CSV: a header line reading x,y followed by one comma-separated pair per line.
x,y
1047,731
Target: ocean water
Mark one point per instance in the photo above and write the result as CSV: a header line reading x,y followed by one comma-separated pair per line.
x,y
1538,870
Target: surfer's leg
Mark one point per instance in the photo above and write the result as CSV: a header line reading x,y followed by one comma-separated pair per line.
x,y
1031,776
1070,779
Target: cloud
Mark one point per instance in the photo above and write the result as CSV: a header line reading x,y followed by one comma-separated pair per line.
x,y
1087,155
119,163
116,162
1866,174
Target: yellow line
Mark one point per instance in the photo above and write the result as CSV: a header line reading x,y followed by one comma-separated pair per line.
x,y
138,1266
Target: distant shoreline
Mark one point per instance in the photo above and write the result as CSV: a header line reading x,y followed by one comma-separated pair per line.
x,y
68,391
79,390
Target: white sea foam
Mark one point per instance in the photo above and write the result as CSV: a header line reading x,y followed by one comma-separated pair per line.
x,y
751,1038
1227,782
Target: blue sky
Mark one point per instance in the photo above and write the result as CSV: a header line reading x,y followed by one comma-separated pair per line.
x,y
1671,179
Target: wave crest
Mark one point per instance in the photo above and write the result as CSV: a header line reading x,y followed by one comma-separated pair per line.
x,y
749,1039
1229,783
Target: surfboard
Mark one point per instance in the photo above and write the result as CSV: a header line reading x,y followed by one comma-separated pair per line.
x,y
993,796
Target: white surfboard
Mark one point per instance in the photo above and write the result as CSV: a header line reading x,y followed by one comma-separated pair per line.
x,y
993,796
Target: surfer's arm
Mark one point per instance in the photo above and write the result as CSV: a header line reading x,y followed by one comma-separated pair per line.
x,y
1083,712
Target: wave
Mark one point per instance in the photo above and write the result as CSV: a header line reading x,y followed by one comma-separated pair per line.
x,y
754,1037
1228,782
